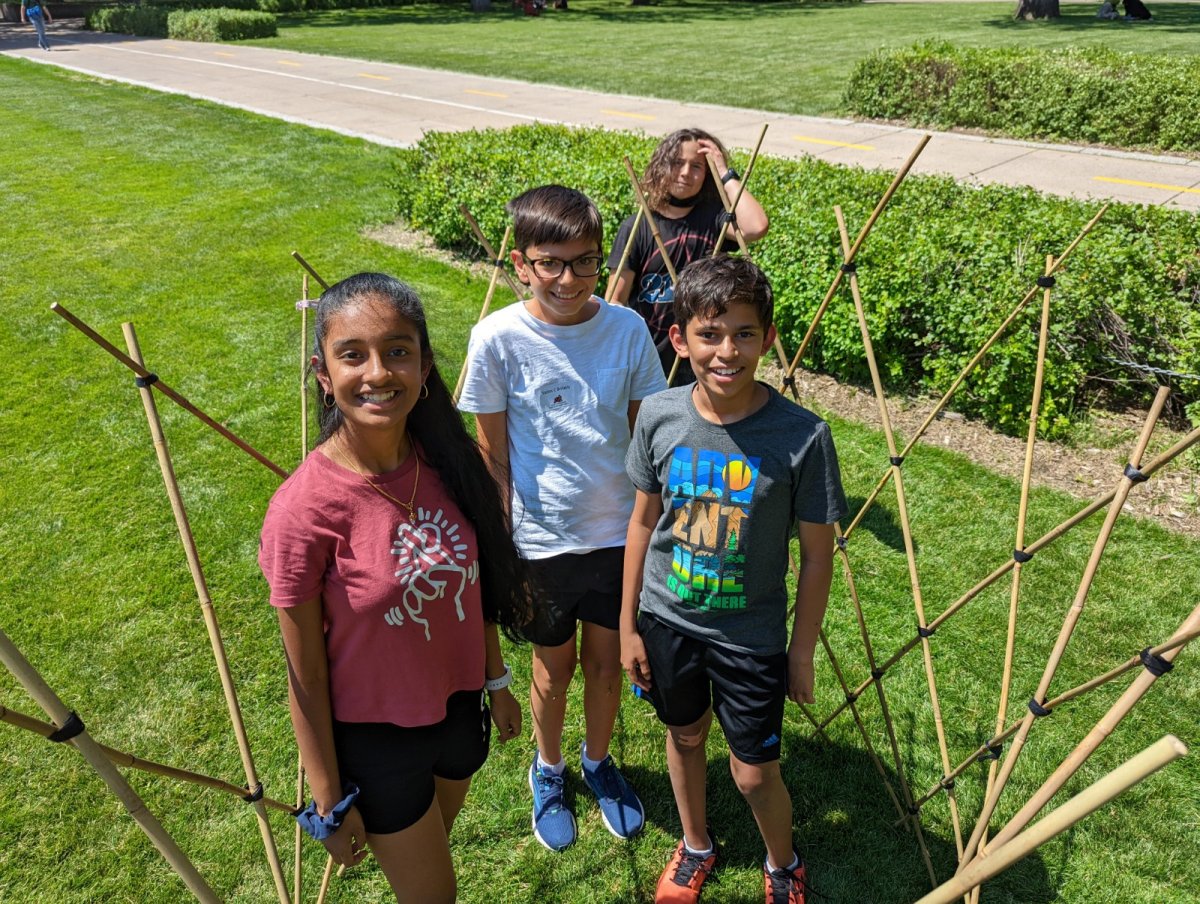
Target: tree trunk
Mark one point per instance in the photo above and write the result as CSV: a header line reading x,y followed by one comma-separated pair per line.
x,y
1036,9
481,6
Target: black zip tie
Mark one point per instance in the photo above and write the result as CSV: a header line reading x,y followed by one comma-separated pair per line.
x,y
850,267
146,381
1155,664
851,697
789,382
1037,709
925,632
897,460
991,752
69,729
877,674
1134,475
1022,556
254,796
842,542
913,809
947,784
1045,282
498,262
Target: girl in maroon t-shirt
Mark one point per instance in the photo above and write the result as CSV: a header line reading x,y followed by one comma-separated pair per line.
x,y
392,568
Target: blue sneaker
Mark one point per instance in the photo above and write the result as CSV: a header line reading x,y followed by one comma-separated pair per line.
x,y
619,805
553,823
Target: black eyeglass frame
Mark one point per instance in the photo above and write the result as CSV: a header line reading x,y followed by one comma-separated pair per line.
x,y
538,265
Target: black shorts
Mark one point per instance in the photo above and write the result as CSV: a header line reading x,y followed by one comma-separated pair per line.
x,y
575,587
745,691
394,767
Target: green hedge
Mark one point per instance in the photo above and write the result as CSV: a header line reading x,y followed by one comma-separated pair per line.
x,y
941,269
145,21
1094,95
220,24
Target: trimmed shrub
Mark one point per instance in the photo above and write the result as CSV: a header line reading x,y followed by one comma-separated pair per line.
x,y
144,21
1094,95
941,270
219,24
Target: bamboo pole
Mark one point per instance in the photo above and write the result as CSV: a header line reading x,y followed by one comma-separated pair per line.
x,y
298,837
487,247
972,364
40,691
325,877
1010,641
847,260
304,353
611,289
307,266
911,814
1079,690
1156,464
210,618
1105,727
1166,750
165,389
749,171
128,760
497,269
905,525
1069,622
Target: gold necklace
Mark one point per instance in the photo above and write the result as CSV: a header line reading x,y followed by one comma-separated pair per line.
x,y
407,506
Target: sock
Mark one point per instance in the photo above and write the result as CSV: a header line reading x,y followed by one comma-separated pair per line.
x,y
557,769
791,866
588,763
701,853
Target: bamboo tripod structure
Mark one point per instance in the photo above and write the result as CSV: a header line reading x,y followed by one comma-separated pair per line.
x,y
491,253
905,524
497,269
611,289
40,691
1166,750
309,267
1010,641
210,618
1069,622
129,761
297,832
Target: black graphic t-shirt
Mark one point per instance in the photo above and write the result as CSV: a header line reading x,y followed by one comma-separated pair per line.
x,y
686,239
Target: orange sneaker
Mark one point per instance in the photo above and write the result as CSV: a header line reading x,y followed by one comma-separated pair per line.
x,y
786,886
681,881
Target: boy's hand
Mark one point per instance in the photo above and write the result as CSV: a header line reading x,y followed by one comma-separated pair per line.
x,y
800,677
634,661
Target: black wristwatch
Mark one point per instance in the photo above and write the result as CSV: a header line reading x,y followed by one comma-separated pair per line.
x,y
730,174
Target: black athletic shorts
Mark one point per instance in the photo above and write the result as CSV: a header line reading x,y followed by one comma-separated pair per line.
x,y
575,587
745,691
394,767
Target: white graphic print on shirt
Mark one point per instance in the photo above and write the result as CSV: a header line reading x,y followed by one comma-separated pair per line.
x,y
426,565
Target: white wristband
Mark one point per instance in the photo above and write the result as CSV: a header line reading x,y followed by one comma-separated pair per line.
x,y
499,684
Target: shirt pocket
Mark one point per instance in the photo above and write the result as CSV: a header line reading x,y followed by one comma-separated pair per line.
x,y
611,386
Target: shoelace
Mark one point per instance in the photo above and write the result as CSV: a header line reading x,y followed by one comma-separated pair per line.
x,y
609,779
782,883
550,790
689,863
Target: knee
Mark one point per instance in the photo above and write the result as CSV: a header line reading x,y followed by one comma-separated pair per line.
x,y
754,779
553,678
603,672
687,740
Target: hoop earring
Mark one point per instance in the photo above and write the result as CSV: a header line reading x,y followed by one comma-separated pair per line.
x,y
328,401
424,391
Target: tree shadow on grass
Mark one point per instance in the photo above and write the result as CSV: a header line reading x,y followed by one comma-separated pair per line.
x,y
1171,17
879,520
663,12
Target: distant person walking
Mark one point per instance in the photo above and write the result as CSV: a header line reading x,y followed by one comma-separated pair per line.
x,y
34,11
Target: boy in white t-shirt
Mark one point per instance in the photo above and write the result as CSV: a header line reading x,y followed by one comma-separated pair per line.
x,y
555,384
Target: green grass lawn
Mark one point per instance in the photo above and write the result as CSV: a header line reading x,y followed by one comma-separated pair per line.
x,y
180,216
787,57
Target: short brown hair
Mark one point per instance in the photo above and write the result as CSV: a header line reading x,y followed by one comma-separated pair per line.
x,y
708,286
553,214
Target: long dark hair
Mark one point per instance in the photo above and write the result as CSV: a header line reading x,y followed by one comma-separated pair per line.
x,y
437,430
657,180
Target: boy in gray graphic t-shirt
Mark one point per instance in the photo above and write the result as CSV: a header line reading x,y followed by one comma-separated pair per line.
x,y
725,470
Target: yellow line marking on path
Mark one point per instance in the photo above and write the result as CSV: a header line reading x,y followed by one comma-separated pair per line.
x,y
223,53
483,93
835,144
1193,191
382,78
629,115
289,63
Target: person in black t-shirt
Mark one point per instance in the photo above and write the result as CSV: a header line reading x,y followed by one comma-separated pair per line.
x,y
690,219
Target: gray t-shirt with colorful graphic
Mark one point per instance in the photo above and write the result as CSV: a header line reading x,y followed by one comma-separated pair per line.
x,y
718,558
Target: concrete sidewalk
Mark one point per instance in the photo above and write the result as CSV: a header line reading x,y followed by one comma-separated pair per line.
x,y
395,105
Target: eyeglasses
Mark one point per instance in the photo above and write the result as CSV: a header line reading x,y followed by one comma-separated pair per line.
x,y
552,268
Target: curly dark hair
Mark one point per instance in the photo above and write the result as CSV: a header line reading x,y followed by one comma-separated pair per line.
x,y
443,442
657,178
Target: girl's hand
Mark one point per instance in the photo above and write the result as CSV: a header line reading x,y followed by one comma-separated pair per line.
x,y
634,660
506,715
348,845
709,149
